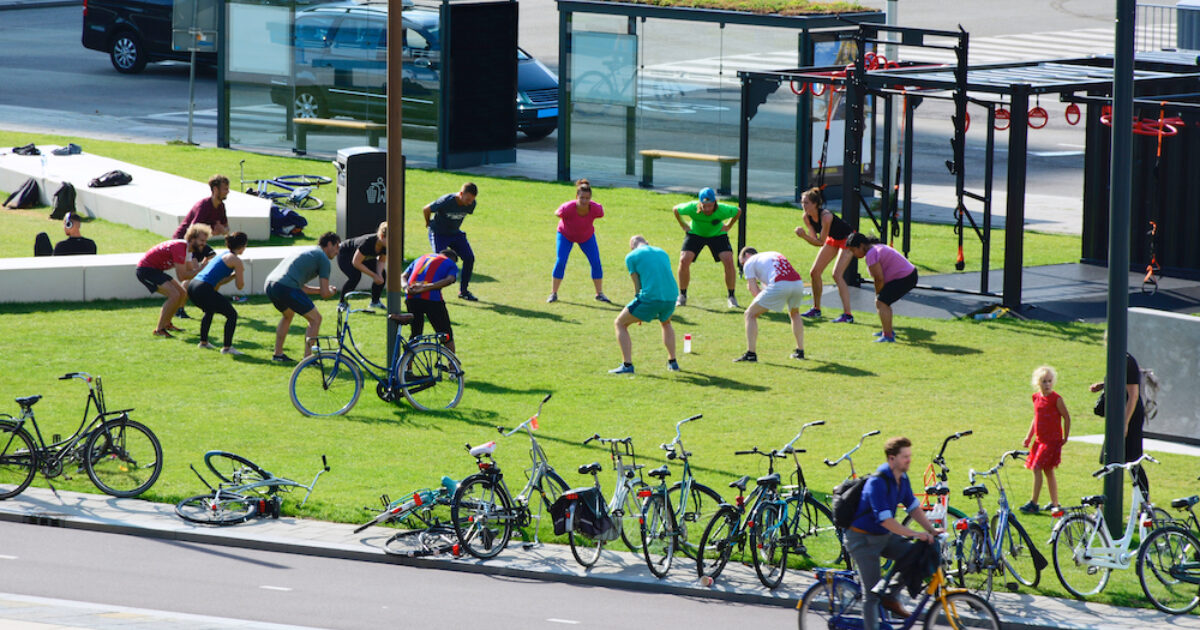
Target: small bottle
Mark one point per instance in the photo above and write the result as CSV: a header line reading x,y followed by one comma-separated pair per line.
x,y
687,344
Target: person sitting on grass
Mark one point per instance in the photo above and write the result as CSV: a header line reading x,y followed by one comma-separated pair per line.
x,y
1051,427
173,254
75,244
775,286
288,290
203,290
650,269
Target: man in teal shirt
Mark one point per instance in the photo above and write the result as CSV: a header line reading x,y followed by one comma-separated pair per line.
x,y
650,269
288,289
709,227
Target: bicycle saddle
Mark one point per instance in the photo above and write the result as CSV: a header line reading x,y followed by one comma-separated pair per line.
x,y
1095,499
975,491
401,318
28,401
660,473
1186,502
939,491
483,449
771,480
590,468
740,484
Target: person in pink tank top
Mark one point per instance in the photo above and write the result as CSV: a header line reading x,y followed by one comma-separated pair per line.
x,y
894,277
1048,432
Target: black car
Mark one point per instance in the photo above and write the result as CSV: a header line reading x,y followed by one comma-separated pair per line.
x,y
133,33
341,69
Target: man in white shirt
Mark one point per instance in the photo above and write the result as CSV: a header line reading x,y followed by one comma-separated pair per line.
x,y
775,286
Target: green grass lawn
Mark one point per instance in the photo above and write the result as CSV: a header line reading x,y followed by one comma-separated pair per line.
x,y
942,376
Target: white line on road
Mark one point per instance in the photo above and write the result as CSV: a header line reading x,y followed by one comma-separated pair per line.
x,y
3,557
566,621
1056,153
1072,146
268,587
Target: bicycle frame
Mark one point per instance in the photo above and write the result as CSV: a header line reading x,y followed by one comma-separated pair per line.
x,y
676,450
54,452
1119,555
271,486
629,476
993,535
938,506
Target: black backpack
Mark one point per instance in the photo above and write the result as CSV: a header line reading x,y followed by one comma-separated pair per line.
x,y
64,201
42,246
111,178
27,196
845,498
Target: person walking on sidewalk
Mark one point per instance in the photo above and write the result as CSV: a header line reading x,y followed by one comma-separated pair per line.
x,y
287,287
894,277
444,219
775,286
876,533
203,290
829,232
650,269
366,254
576,220
709,227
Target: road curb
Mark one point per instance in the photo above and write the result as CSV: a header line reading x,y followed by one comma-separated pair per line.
x,y
214,537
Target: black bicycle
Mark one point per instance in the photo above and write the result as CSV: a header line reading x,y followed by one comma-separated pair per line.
x,y
121,457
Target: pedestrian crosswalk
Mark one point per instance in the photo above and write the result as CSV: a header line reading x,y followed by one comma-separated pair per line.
x,y
265,116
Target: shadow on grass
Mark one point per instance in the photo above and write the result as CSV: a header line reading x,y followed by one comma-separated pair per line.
x,y
707,380
505,309
831,367
923,338
485,387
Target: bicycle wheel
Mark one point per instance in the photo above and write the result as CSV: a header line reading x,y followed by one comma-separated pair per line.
x,y
814,535
962,610
631,512
124,458
717,542
975,562
431,377
302,202
482,516
414,543
1073,539
18,461
1168,567
702,503
585,548
658,535
303,180
831,604
768,548
233,468
1018,553
325,385
211,509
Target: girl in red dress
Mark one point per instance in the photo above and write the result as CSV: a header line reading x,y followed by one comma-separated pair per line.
x,y
1049,431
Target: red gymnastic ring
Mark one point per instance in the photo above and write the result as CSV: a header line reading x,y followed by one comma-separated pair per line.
x,y
1006,116
800,91
1038,112
1072,114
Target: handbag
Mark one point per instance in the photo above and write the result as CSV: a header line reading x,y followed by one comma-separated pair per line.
x,y
1099,408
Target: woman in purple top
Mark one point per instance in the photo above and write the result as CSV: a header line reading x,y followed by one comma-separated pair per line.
x,y
575,226
894,277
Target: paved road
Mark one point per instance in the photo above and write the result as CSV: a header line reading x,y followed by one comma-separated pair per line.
x,y
328,593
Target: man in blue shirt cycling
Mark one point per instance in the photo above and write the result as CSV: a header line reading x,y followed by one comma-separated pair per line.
x,y
876,533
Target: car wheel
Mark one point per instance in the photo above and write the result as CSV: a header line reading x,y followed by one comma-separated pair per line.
x,y
126,53
308,104
537,133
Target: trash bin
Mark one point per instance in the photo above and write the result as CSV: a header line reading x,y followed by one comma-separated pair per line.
x,y
1187,25
361,190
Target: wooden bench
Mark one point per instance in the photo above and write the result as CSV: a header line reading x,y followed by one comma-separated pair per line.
x,y
305,126
726,162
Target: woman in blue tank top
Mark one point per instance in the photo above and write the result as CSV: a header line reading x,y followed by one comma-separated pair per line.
x,y
202,290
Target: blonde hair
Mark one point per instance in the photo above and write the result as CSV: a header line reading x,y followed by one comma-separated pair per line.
x,y
197,229
1041,372
381,233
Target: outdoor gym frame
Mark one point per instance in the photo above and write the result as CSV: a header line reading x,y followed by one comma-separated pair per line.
x,y
987,86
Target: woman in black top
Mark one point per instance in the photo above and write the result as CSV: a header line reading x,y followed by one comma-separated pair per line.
x,y
1135,417
366,254
828,231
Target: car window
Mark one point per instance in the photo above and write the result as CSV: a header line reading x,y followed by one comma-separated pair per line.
x,y
313,31
415,40
359,33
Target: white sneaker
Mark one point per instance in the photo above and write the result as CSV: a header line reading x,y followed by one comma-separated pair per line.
x,y
232,350
681,301
733,303
553,298
205,345
378,306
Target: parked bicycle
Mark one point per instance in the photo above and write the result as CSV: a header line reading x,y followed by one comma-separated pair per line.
x,y
623,508
244,490
729,528
987,549
936,499
668,513
292,191
848,455
1168,564
120,456
424,515
1084,555
484,512
330,380
791,520
835,601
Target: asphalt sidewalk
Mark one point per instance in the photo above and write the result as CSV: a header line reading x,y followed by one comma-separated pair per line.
x,y
620,570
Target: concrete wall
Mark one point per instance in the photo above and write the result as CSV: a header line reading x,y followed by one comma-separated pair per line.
x,y
1169,344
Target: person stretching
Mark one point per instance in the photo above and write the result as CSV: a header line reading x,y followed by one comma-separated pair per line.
x,y
575,226
650,269
288,290
444,219
781,288
828,231
174,254
366,254
708,228
894,277
203,290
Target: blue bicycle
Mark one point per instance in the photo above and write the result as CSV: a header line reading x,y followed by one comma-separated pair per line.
x,y
987,549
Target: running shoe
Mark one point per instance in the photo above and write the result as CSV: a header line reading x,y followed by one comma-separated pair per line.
x,y
877,333
282,358
1051,507
468,296
672,365
733,303
811,313
749,357
885,339
600,297
798,354
377,305
1029,508
844,318
159,332
182,314
681,300
624,368
205,345
553,298
231,350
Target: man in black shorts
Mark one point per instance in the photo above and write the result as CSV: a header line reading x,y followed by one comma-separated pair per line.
x,y
710,225
423,282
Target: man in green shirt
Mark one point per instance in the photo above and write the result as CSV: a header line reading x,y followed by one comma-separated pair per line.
x,y
709,227
650,269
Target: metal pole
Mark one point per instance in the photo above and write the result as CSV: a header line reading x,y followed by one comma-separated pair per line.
x,y
743,159
395,173
1118,258
194,31
1014,217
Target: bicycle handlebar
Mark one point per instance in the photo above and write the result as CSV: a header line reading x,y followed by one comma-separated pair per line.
x,y
83,376
1014,454
625,440
850,452
770,454
814,423
532,418
1112,467
950,438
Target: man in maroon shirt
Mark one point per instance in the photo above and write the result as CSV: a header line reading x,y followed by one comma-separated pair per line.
x,y
210,210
